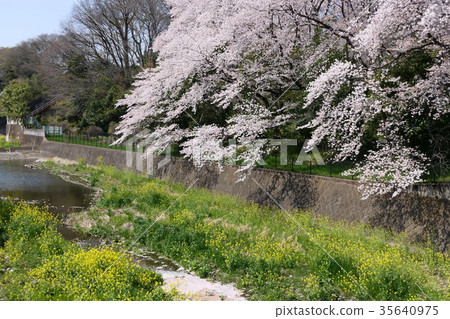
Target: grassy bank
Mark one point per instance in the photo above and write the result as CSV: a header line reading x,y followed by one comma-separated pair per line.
x,y
6,145
36,263
261,249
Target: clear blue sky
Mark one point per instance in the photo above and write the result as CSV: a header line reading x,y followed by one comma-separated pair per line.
x,y
24,19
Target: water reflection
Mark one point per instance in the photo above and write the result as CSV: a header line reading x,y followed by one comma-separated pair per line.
x,y
41,188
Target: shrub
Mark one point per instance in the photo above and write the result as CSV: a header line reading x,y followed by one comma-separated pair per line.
x,y
29,222
119,196
97,274
44,266
94,131
81,163
6,208
7,145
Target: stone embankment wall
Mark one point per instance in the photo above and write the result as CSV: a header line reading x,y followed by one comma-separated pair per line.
x,y
422,212
29,138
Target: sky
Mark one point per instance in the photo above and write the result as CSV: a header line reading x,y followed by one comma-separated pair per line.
x,y
21,20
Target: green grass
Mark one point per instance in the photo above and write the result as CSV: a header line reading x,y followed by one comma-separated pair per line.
x,y
261,249
6,145
36,263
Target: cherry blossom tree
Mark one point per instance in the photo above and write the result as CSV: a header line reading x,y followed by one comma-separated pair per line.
x,y
224,70
369,92
243,69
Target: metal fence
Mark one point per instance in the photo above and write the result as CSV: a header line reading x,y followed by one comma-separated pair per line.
x,y
330,169
53,130
436,172
84,139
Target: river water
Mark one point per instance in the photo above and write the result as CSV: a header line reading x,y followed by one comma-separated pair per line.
x,y
20,181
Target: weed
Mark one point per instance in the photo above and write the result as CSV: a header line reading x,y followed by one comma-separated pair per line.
x,y
263,250
43,266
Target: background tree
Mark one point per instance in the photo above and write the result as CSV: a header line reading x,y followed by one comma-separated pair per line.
x,y
16,96
90,65
6,72
120,32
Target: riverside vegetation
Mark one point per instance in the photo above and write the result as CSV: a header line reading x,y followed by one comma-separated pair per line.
x,y
36,263
6,145
261,249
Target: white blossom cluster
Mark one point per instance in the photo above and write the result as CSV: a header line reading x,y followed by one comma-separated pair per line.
x,y
397,28
240,60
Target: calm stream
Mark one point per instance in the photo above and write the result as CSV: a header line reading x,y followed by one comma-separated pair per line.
x,y
41,188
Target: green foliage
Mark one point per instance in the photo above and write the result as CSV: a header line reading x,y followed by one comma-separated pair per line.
x,y
262,249
332,170
7,73
29,222
6,208
15,98
77,66
31,238
93,179
118,197
6,145
100,141
67,277
81,163
413,67
100,108
17,95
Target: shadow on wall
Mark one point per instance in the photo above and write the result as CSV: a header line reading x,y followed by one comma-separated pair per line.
x,y
290,190
421,218
422,213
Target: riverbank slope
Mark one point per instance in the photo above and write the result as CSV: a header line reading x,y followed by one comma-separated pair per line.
x,y
271,254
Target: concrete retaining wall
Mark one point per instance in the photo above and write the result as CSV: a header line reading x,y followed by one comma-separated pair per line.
x,y
422,212
34,132
31,138
116,158
13,132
